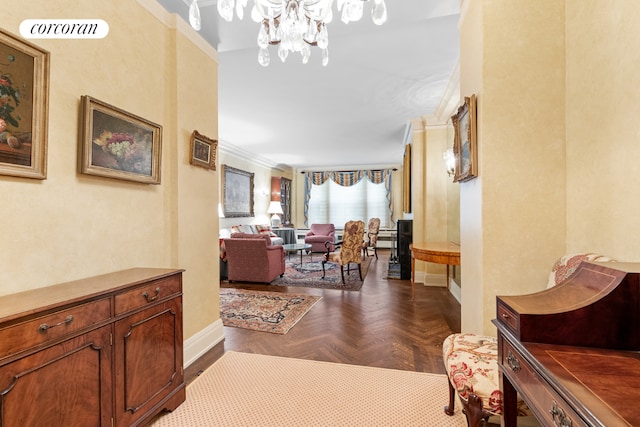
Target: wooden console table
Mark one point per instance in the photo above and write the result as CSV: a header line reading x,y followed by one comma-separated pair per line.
x,y
437,252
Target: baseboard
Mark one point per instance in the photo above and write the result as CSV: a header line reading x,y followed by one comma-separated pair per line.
x,y
455,290
202,341
430,279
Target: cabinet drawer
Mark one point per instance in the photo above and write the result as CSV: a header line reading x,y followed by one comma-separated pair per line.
x,y
541,398
147,294
22,336
508,317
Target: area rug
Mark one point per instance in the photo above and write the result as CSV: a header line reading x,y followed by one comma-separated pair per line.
x,y
243,389
273,312
309,274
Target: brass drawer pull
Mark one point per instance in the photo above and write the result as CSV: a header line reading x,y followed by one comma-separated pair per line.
x,y
153,298
513,362
44,327
505,316
560,419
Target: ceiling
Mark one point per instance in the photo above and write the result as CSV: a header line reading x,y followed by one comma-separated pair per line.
x,y
354,111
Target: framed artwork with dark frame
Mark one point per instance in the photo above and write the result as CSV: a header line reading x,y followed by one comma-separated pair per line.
x,y
117,144
203,151
238,192
464,142
24,99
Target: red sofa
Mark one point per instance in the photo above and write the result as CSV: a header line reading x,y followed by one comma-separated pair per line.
x,y
252,258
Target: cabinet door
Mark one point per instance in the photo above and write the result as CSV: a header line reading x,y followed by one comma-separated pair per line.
x,y
67,384
148,352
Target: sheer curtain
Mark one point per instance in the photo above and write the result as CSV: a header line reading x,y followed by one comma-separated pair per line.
x,y
337,197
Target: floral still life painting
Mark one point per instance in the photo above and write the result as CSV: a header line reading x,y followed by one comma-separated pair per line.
x,y
24,77
117,144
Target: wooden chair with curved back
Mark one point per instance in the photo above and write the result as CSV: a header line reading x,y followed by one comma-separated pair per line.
x,y
371,237
350,248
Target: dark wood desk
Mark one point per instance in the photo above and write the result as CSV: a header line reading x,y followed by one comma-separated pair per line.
x,y
569,386
571,351
437,252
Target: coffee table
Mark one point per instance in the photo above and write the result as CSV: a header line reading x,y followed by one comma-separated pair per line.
x,y
294,247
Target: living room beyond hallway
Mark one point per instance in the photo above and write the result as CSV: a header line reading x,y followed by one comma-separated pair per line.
x,y
377,326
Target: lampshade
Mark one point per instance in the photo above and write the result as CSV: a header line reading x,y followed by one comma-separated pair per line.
x,y
220,211
275,208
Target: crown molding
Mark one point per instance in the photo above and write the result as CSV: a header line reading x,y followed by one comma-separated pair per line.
x,y
175,22
233,150
449,102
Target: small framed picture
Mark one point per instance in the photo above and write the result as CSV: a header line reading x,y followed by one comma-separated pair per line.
x,y
118,144
464,143
203,151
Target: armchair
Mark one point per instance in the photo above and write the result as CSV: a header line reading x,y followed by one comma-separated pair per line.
x,y
318,234
252,258
350,249
371,237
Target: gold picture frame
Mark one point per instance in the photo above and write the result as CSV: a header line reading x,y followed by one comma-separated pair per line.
x,y
464,143
203,151
24,100
117,144
237,190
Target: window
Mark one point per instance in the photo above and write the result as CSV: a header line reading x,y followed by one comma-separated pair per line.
x,y
337,204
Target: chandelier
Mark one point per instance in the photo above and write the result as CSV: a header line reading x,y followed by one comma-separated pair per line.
x,y
293,25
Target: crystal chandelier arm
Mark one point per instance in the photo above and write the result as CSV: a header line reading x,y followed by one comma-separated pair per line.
x,y
295,25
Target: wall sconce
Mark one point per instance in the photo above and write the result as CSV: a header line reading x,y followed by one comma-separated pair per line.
x,y
220,211
275,209
450,161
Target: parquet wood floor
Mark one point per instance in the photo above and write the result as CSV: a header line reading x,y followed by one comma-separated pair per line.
x,y
378,326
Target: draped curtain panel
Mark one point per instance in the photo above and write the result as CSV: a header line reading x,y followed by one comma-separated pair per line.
x,y
347,179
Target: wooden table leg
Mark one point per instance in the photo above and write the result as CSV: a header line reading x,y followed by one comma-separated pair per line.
x,y
447,277
413,276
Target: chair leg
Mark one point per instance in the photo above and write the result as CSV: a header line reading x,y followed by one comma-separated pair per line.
x,y
341,273
375,251
451,407
323,263
360,272
475,413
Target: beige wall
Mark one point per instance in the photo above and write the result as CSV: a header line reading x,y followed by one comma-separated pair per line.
x,y
557,139
71,226
429,194
513,216
603,90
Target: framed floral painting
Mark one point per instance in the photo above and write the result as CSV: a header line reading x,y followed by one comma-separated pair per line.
x,y
118,144
24,94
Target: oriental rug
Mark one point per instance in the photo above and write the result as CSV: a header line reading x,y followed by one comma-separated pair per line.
x,y
308,274
273,312
243,389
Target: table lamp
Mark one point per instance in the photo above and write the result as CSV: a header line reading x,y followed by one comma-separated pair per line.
x,y
275,209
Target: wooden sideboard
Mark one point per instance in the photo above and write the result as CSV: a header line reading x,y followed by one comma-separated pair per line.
x,y
571,351
102,351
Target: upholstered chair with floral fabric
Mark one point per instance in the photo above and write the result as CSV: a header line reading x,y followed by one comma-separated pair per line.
x,y
350,249
371,237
